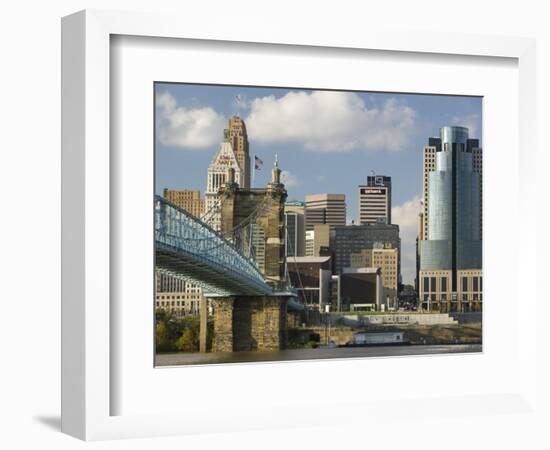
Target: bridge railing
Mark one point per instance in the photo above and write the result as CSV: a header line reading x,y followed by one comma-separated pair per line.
x,y
179,229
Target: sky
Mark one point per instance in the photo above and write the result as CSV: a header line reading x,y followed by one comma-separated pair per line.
x,y
326,141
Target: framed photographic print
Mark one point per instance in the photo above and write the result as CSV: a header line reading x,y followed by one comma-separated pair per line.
x,y
258,220
295,261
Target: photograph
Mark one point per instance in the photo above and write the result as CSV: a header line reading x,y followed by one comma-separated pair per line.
x,y
296,224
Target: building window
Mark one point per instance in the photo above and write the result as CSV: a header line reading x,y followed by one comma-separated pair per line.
x,y
426,287
475,280
443,284
432,284
464,284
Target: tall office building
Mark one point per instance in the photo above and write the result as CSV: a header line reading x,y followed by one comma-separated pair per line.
x,y
217,176
375,200
450,253
325,209
349,239
186,199
430,151
239,140
295,228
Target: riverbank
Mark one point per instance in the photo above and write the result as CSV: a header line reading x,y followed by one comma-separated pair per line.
x,y
466,333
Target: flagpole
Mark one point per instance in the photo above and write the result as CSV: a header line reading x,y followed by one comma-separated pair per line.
x,y
253,173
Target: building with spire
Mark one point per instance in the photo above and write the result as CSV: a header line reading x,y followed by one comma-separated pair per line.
x,y
224,160
238,138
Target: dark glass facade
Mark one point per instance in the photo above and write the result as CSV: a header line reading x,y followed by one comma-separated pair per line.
x,y
348,239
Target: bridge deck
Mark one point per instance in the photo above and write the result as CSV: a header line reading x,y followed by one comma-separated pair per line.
x,y
189,248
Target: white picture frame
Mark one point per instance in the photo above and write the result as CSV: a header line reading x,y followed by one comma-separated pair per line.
x,y
88,324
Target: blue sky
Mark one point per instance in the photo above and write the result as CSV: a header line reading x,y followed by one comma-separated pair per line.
x,y
326,141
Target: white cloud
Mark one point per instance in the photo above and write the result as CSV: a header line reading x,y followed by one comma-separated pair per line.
x,y
406,216
330,121
470,121
288,179
187,128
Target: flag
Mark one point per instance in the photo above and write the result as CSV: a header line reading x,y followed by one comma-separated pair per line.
x,y
258,163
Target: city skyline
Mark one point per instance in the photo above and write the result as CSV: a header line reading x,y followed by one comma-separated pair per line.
x,y
384,133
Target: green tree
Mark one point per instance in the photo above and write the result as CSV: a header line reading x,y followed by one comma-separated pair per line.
x,y
186,342
161,335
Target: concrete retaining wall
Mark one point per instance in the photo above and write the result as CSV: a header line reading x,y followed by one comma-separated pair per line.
x,y
399,319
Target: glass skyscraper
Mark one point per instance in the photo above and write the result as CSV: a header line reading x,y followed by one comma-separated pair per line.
x,y
453,240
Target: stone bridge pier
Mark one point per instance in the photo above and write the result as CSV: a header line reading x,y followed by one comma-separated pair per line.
x,y
245,323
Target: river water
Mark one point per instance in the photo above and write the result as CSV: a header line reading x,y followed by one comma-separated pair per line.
x,y
180,359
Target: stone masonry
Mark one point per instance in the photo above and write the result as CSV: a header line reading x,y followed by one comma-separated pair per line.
x,y
266,208
223,324
250,323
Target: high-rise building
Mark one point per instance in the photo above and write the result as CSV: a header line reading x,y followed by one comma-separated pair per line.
x,y
325,209
239,140
295,228
450,252
430,151
375,200
186,199
217,177
349,239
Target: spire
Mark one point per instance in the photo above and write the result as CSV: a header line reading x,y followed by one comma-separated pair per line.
x,y
276,172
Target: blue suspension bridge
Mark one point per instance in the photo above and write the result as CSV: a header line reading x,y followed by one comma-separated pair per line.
x,y
188,248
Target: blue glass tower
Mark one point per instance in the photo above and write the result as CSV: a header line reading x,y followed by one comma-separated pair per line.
x,y
454,212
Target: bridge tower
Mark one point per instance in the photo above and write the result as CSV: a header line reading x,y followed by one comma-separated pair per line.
x,y
265,208
254,322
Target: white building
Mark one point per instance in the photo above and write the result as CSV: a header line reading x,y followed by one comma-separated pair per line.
x,y
217,177
177,296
